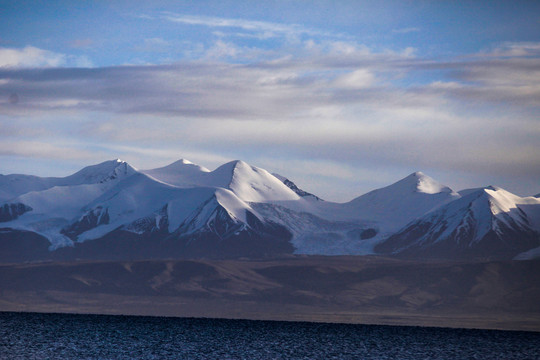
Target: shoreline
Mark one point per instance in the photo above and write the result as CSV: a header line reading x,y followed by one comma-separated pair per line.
x,y
322,322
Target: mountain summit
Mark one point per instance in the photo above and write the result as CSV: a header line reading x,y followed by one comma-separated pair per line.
x,y
405,200
100,173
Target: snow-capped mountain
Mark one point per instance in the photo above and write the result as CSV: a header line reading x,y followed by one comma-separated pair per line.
x,y
394,206
112,210
179,200
47,211
484,223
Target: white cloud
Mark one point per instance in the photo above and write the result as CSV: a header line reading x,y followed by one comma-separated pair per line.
x,y
234,23
29,57
261,29
357,79
33,57
513,49
222,49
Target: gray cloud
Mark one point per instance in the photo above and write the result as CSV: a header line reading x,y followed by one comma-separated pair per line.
x,y
338,103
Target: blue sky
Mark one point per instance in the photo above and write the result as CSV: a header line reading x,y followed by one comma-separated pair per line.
x,y
342,97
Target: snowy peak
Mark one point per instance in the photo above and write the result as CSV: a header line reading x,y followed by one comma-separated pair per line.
x,y
182,173
419,182
250,183
522,210
501,201
233,170
183,166
12,186
101,173
183,162
397,204
225,174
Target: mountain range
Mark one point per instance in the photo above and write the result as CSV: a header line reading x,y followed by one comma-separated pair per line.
x,y
114,211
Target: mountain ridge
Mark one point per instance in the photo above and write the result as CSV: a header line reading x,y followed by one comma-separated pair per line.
x,y
196,210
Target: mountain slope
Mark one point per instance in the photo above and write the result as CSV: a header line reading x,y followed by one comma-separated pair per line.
x,y
394,206
291,185
249,183
113,170
181,173
15,185
485,223
12,186
314,235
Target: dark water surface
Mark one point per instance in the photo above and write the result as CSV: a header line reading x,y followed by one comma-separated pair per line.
x,y
65,336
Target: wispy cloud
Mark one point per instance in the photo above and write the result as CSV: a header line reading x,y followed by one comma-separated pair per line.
x,y
45,150
263,29
513,49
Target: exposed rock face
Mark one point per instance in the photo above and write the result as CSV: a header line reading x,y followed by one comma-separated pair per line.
x,y
88,221
9,212
299,191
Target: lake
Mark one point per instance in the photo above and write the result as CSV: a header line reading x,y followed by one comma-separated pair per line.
x,y
70,336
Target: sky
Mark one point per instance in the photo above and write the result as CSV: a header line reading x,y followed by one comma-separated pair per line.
x,y
342,97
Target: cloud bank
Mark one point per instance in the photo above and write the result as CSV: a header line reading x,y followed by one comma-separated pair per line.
x,y
327,100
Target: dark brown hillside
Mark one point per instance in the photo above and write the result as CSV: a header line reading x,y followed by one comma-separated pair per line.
x,y
504,295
